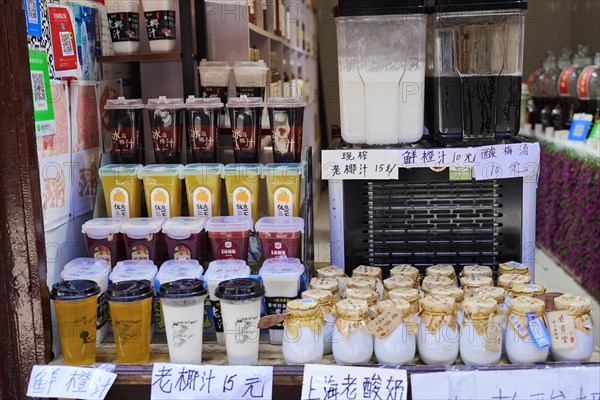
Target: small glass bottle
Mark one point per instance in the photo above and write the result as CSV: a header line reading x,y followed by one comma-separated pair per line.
x,y
326,284
430,282
475,281
507,281
580,309
438,340
369,272
368,295
411,295
362,282
397,282
481,333
476,270
520,347
408,271
400,346
303,333
446,270
456,293
337,273
325,300
352,342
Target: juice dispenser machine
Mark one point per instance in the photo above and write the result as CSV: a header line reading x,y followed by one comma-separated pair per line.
x,y
478,66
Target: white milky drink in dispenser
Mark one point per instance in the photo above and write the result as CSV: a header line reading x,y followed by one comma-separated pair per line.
x,y
381,64
281,277
217,272
478,64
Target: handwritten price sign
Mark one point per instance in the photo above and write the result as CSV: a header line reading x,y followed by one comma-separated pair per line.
x,y
486,162
199,382
324,382
69,382
580,383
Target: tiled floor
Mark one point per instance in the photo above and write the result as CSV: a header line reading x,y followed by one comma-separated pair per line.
x,y
548,273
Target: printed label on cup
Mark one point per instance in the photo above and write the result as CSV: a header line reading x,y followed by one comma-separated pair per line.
x,y
140,252
217,316
202,198
119,203
251,91
124,26
102,253
283,200
160,204
246,330
277,305
228,249
278,250
160,24
124,140
214,92
102,311
203,137
182,252
129,330
242,201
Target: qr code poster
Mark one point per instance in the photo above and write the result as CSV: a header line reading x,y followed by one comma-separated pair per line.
x,y
63,42
43,109
33,16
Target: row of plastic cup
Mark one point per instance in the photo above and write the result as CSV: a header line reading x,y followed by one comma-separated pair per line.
x,y
159,17
163,188
236,299
202,115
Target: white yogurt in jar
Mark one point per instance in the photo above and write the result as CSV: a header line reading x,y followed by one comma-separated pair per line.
x,y
303,333
354,344
438,346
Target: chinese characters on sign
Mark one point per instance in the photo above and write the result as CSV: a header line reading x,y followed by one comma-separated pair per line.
x,y
69,382
580,383
487,162
329,382
197,382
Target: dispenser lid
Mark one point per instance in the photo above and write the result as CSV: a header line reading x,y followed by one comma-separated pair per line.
x,y
357,8
478,5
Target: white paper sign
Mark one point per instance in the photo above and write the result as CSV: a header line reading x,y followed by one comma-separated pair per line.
x,y
199,382
69,382
321,382
582,383
379,164
487,162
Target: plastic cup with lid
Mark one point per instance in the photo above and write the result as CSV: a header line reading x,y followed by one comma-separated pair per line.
x,y
103,239
142,238
202,118
175,270
217,272
124,22
250,78
166,123
214,79
122,190
281,277
130,305
183,309
76,314
160,16
97,271
229,236
241,301
286,116
125,124
185,238
280,236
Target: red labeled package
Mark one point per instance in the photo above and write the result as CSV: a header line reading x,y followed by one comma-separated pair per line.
x,y
63,40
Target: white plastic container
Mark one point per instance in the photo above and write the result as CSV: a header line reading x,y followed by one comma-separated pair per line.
x,y
160,17
124,24
250,78
303,333
438,345
325,300
523,350
97,271
174,270
182,304
281,277
217,272
580,309
353,344
134,270
241,304
400,346
476,347
381,65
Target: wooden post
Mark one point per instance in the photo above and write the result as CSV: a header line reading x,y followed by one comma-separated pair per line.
x,y
25,326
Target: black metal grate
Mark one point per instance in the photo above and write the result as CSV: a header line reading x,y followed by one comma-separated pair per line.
x,y
425,219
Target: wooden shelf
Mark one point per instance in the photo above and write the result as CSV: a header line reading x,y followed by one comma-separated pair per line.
x,y
141,57
284,375
262,32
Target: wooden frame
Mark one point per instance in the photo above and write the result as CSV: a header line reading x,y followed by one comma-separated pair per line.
x,y
25,325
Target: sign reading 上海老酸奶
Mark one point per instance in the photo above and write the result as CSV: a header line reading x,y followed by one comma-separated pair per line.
x,y
486,162
199,382
324,382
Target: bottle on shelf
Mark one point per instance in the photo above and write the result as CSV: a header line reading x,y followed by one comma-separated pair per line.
x,y
588,89
537,83
252,11
265,15
279,18
567,85
552,99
